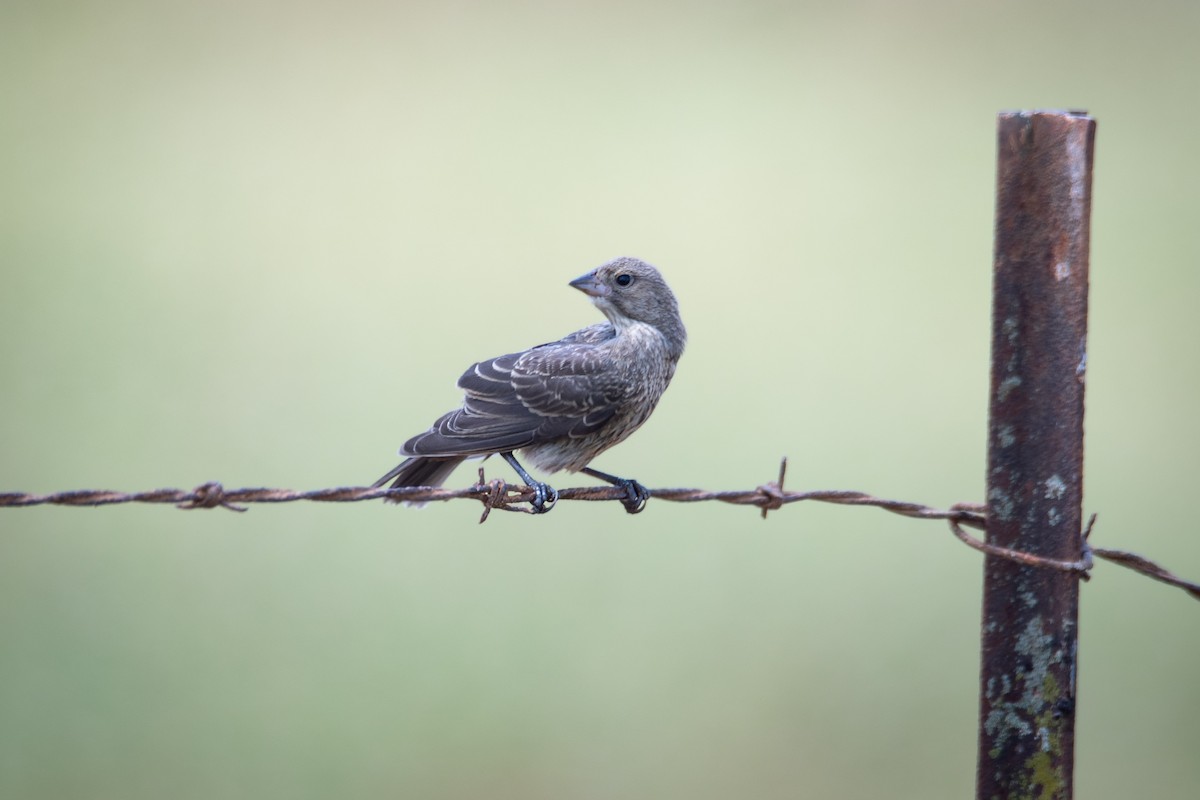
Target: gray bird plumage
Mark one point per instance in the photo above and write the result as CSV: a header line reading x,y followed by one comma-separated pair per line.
x,y
563,403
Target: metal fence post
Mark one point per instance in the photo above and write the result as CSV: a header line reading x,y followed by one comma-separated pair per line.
x,y
1035,454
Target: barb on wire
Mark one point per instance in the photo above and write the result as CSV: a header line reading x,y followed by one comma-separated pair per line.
x,y
497,494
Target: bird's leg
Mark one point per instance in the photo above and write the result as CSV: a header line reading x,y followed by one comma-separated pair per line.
x,y
636,495
542,492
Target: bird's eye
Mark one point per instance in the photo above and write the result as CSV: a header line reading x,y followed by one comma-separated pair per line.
x,y
624,279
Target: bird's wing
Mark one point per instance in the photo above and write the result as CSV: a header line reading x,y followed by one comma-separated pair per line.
x,y
565,388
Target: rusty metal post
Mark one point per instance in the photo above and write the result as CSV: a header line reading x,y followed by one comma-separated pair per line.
x,y
1035,454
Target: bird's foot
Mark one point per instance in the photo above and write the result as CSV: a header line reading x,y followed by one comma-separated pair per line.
x,y
543,493
636,495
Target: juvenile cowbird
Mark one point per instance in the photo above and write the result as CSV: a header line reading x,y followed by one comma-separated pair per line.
x,y
563,403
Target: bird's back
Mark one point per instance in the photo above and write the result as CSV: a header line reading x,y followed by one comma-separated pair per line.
x,y
561,402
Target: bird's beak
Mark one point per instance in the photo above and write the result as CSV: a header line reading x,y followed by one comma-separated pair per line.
x,y
590,286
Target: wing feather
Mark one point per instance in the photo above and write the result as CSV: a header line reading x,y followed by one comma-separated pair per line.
x,y
563,388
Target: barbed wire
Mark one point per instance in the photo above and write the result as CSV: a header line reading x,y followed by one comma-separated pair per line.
x,y
498,494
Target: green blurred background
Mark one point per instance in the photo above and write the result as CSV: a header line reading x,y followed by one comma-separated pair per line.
x,y
257,244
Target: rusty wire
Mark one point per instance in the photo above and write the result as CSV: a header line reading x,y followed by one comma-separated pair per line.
x,y
498,494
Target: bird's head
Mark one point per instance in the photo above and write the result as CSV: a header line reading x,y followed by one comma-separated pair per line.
x,y
630,290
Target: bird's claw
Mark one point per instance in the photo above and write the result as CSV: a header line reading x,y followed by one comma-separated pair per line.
x,y
636,495
543,493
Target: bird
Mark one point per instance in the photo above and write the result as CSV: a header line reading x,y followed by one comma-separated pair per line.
x,y
563,403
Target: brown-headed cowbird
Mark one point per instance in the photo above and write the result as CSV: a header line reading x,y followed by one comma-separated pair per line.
x,y
563,403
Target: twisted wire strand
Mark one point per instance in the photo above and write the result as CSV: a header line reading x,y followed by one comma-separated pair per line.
x,y
497,494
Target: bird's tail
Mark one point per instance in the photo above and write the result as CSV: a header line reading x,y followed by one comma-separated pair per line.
x,y
419,471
